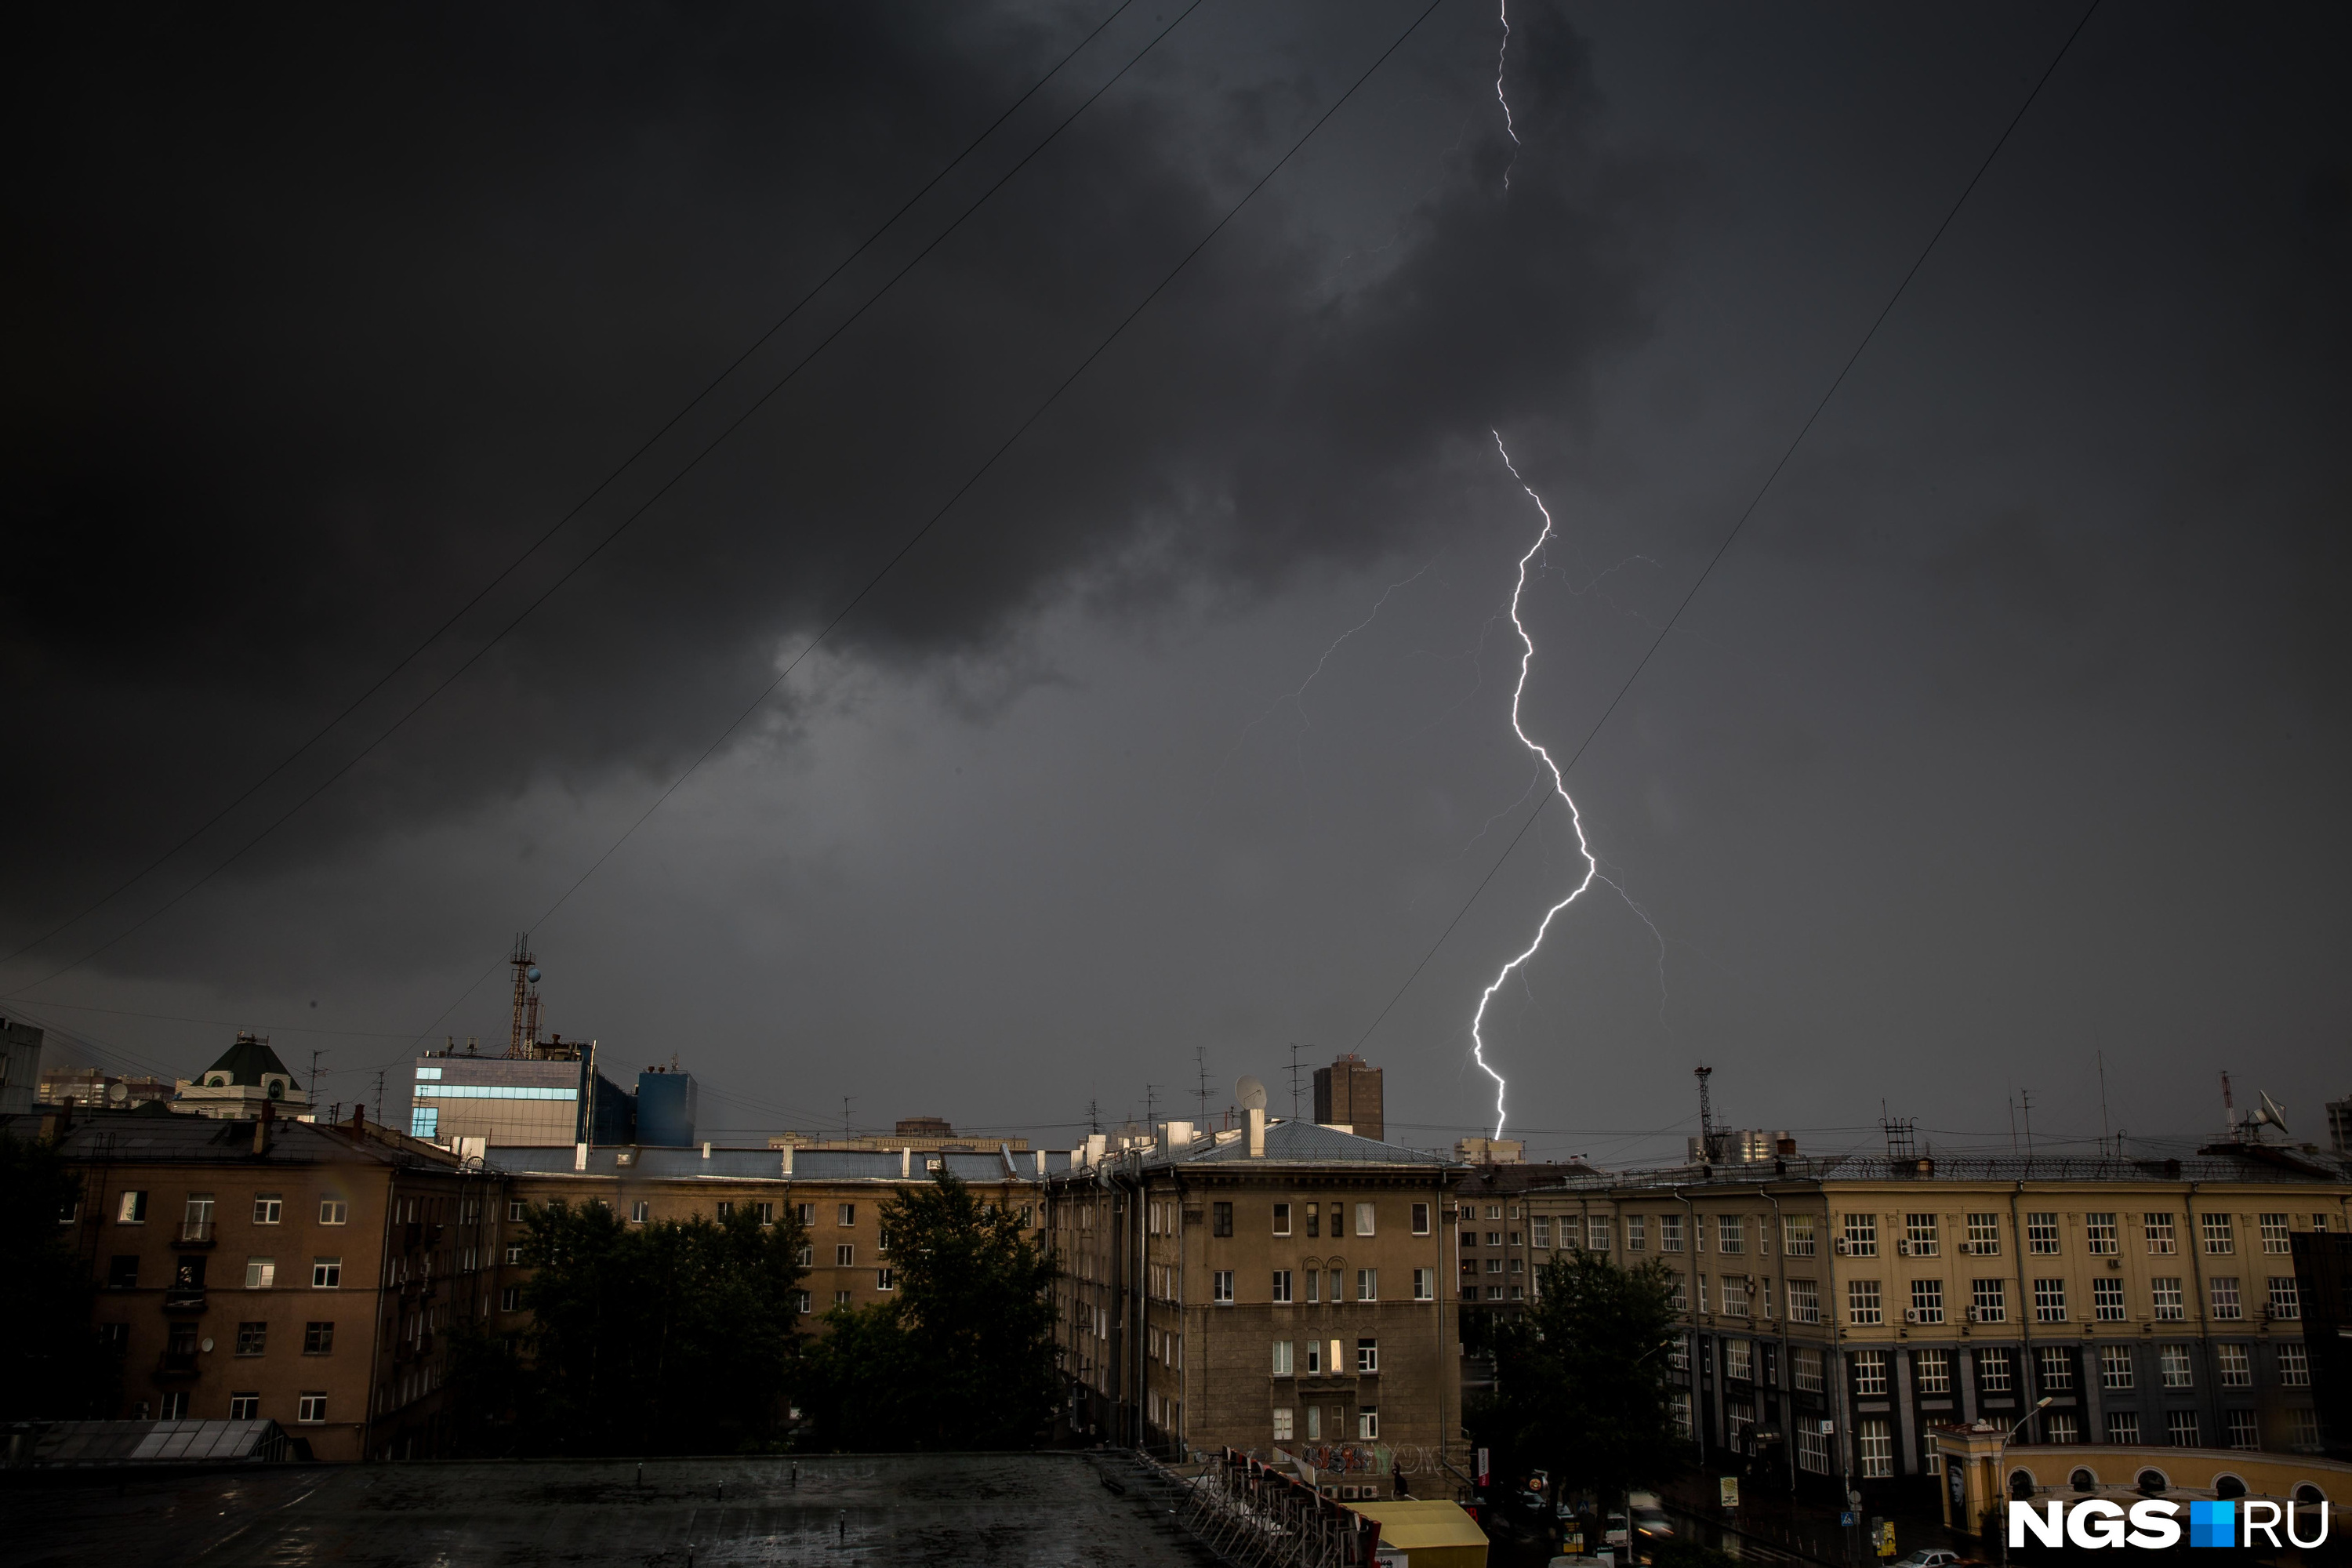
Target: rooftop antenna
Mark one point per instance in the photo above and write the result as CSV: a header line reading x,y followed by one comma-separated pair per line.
x,y
379,1097
2229,1107
1709,1142
1902,1135
1150,1105
1093,1117
2025,1105
1201,1060
845,1131
314,1080
1294,1080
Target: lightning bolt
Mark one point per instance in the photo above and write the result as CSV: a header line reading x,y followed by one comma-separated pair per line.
x,y
1559,784
1502,54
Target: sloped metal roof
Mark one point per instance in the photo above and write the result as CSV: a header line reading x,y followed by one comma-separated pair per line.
x,y
1305,1142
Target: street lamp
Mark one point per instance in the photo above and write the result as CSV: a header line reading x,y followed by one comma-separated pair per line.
x,y
2001,1468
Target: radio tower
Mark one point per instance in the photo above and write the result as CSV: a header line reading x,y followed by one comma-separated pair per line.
x,y
1710,1142
522,1037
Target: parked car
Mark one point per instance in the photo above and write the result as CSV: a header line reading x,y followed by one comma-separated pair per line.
x,y
1929,1557
1614,1532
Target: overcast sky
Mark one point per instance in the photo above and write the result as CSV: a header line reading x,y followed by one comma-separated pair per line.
x,y
2009,737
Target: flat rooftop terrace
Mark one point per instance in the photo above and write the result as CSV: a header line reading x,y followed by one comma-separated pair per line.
x,y
927,1509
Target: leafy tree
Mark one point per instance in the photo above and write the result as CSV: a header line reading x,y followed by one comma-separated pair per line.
x,y
671,1338
963,1354
1580,1378
50,1365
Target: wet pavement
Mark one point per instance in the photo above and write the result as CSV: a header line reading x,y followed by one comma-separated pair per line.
x,y
1050,1510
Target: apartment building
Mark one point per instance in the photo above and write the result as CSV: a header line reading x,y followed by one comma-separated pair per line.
x,y
1835,1309
1282,1286
835,1194
1350,1095
278,1269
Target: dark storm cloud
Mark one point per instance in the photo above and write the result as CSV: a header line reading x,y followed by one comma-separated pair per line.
x,y
325,316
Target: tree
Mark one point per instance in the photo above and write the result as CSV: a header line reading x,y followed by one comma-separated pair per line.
x,y
963,1354
671,1338
1580,1378
50,1364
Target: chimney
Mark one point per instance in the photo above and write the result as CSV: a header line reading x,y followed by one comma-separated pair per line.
x,y
261,1129
1257,1133
580,1156
788,1158
905,1161
1041,1161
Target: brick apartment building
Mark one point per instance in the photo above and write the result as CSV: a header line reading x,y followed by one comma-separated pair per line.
x,y
1279,1285
278,1269
1835,1309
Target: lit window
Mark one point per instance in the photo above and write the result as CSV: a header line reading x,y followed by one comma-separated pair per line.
x,y
260,1273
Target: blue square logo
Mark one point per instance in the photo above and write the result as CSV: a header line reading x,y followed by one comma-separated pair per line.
x,y
2213,1523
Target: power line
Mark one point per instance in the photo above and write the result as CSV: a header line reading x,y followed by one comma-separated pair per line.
x,y
961,490
601,485
1713,561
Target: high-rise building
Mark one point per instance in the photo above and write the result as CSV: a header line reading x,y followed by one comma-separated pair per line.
x,y
551,1094
1348,1094
20,1065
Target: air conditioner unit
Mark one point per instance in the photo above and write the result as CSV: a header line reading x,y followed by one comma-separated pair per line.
x,y
1975,1316
1841,1248
1910,1314
1903,1250
1828,1428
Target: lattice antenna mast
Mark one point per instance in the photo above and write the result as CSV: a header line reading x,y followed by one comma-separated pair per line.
x,y
1710,1142
523,1032
1200,1058
1902,1134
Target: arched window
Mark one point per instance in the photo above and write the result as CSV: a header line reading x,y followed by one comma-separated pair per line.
x,y
2152,1482
2309,1496
2084,1481
2020,1485
2228,1487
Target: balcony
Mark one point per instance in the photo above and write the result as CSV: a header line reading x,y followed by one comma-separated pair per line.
x,y
183,1298
195,1235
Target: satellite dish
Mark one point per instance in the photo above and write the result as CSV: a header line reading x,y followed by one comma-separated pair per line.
x,y
531,975
1250,1092
117,1092
2270,1115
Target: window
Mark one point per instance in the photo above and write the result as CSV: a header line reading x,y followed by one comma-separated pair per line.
x,y
1675,1295
1804,1302
845,1255
1861,1235
2245,1432
1283,1426
1813,1445
1862,1304
1367,1426
1932,1371
882,1280
122,1272
2116,1367
1702,1292
1740,1359
1368,1284
845,1214
1989,1300
841,1298
804,1303
260,1273
1315,1358
196,1217
2157,1227
2099,1234
310,1409
1367,1356
1731,1234
805,1257
269,1208
2222,1298
1984,1235
2303,1435
1678,1353
2164,1295
764,1213
804,1213
1543,1231
2173,1366
2180,1428
2235,1366
1877,1444
510,1299
1735,1296
1315,1284
2123,1428
1678,1401
642,1211
723,1211
1220,1219
1797,1235
326,1273
2286,1303
1493,1238
2294,1366
1926,1301
1421,1219
1281,1219
2107,1300
334,1211
1469,1211
317,1339
423,1121
1424,1284
244,1407
1637,1233
252,1339
1670,1233
1869,1372
2220,1239
1493,1211
1919,1233
1698,1233
2041,1232
1996,1371
1314,1218
2050,1300
1282,1358
1282,1285
1363,1219
1597,1233
130,1208
1223,1290
2057,1369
